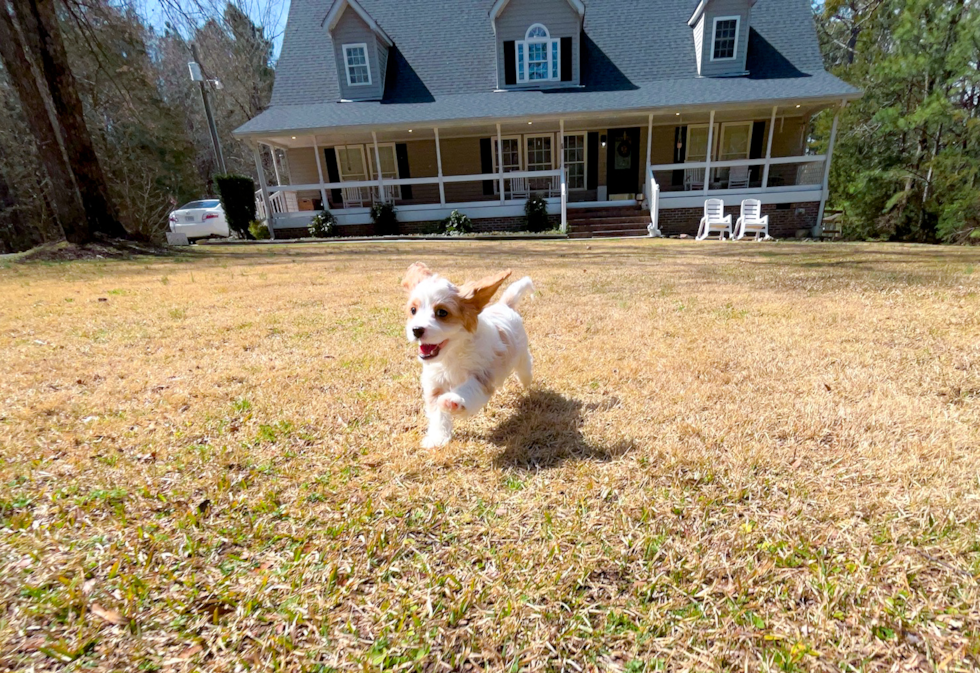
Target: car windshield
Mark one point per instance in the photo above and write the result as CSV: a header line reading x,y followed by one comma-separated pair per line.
x,y
200,204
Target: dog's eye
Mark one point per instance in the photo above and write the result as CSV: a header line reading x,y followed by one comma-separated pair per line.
x,y
442,313
414,310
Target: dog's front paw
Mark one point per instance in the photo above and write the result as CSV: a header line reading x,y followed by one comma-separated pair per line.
x,y
433,442
451,403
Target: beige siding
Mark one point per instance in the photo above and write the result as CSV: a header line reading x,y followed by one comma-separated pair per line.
x,y
461,156
555,15
787,140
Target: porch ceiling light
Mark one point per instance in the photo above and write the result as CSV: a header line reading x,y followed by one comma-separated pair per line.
x,y
294,137
602,140
529,123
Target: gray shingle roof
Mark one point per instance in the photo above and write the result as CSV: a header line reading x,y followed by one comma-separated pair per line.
x,y
639,54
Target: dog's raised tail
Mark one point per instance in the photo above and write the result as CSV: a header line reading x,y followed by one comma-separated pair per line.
x,y
516,290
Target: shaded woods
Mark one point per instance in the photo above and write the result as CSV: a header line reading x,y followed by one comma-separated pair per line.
x,y
110,144
907,162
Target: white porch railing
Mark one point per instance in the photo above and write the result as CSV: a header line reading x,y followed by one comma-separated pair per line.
x,y
359,195
652,189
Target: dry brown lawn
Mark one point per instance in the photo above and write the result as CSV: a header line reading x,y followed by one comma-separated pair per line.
x,y
745,457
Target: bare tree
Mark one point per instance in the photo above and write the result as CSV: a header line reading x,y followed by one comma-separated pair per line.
x,y
64,195
42,38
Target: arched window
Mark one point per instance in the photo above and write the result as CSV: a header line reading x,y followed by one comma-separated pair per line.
x,y
538,56
537,31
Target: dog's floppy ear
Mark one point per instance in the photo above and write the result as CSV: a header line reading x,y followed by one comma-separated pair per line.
x,y
478,293
415,275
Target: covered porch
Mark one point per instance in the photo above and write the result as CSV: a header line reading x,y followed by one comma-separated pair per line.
x,y
652,161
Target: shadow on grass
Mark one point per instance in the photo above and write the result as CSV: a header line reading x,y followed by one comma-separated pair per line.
x,y
546,431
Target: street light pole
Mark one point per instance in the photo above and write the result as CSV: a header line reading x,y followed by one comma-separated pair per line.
x,y
197,75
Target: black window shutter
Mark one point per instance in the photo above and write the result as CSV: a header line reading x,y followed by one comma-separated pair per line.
x,y
401,156
592,167
333,174
566,59
486,164
680,153
756,149
510,63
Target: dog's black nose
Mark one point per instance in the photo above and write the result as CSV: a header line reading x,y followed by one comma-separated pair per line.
x,y
418,332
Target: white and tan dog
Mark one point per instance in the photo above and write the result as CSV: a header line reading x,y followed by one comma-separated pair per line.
x,y
467,348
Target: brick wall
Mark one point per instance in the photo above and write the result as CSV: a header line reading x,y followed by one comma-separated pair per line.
x,y
480,226
783,222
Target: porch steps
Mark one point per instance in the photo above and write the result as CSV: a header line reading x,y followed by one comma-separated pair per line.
x,y
607,222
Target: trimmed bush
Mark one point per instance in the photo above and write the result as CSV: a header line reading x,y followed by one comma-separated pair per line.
x,y
237,194
323,225
259,230
457,224
384,218
536,214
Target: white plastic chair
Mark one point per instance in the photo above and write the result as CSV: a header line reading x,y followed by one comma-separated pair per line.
x,y
715,221
693,179
752,221
738,177
519,189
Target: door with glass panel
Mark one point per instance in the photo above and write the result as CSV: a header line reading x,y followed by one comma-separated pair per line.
x,y
736,139
575,162
350,163
540,157
512,161
696,151
389,169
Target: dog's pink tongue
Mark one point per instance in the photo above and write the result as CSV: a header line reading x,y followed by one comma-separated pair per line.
x,y
428,349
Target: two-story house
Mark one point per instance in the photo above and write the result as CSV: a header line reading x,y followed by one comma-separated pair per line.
x,y
612,110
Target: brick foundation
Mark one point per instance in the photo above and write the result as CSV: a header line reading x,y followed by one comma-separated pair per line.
x,y
480,226
783,219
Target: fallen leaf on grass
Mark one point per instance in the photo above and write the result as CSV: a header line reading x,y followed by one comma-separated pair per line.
x,y
190,651
111,616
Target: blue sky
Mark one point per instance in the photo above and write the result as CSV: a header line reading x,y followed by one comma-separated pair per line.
x,y
270,14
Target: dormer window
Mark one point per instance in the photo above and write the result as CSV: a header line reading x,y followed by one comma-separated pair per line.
x,y
538,56
356,62
724,42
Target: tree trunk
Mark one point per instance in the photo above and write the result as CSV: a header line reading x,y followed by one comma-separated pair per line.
x,y
39,23
63,194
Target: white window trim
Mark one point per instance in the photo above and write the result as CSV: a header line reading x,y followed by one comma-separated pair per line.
x,y
713,151
721,142
548,42
340,165
584,135
367,62
714,36
531,136
520,152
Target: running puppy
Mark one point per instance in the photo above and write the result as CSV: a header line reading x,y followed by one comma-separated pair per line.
x,y
467,348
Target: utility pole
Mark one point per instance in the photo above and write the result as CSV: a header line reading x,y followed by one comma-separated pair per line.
x,y
197,75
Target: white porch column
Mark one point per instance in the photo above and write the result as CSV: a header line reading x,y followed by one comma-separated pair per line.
x,y
500,162
649,142
377,167
646,173
825,187
275,165
772,129
442,183
264,190
711,140
319,172
561,146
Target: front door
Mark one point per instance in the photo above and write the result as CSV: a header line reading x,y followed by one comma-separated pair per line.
x,y
623,161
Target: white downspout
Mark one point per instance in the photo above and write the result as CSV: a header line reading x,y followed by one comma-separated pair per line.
x,y
442,183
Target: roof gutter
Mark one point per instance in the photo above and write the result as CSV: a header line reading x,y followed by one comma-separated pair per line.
x,y
471,121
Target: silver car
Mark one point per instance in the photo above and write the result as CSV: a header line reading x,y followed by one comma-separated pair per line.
x,y
200,219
